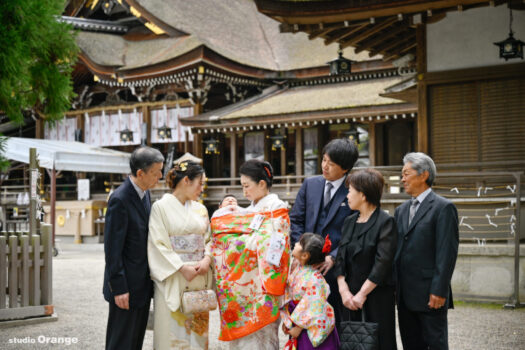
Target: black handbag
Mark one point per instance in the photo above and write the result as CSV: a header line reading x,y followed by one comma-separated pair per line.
x,y
359,335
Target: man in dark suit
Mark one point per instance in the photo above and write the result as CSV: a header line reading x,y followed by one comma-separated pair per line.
x,y
321,207
425,259
127,284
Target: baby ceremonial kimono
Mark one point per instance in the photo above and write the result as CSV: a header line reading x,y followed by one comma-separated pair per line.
x,y
307,307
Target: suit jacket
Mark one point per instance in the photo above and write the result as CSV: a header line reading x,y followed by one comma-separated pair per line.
x,y
426,252
305,212
125,247
368,253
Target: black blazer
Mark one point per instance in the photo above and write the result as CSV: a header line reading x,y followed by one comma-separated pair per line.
x,y
305,211
125,247
426,252
373,251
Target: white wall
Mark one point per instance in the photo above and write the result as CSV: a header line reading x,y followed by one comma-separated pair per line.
x,y
466,39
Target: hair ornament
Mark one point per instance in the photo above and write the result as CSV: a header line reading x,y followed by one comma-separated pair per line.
x,y
182,166
267,171
327,244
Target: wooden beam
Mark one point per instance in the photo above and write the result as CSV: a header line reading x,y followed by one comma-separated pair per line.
x,y
294,28
422,91
337,38
392,44
381,38
398,51
321,33
369,32
334,11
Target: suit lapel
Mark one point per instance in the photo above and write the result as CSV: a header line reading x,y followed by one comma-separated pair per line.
x,y
135,199
423,208
315,195
365,228
339,198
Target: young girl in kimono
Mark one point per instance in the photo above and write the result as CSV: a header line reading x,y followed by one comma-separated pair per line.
x,y
308,317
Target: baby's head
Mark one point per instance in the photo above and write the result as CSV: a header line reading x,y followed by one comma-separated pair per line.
x,y
228,199
311,249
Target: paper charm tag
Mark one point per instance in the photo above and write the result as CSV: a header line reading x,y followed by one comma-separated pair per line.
x,y
257,222
275,250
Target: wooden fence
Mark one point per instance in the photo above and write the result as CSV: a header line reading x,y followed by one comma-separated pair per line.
x,y
26,274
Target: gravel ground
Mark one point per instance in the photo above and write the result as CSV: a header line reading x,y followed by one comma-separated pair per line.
x,y
82,314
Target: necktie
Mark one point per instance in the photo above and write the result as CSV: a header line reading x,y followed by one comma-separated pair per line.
x,y
145,202
412,212
327,193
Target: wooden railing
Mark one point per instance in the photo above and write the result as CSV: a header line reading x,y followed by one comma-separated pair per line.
x,y
26,274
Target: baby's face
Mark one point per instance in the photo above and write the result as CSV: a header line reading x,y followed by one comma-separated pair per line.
x,y
228,201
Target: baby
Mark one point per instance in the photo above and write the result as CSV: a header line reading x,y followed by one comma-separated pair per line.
x,y
228,205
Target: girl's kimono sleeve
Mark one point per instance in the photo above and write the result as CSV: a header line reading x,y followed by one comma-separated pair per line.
x,y
314,313
163,261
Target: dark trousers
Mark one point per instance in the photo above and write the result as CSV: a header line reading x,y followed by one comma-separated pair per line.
x,y
423,330
334,298
126,328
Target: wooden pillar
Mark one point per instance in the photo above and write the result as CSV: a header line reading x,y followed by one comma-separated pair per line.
x,y
372,143
53,202
197,145
234,153
146,118
422,113
267,145
299,153
81,126
284,160
186,141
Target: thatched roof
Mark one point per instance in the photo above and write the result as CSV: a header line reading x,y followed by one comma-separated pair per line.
x,y
233,29
113,50
320,97
303,103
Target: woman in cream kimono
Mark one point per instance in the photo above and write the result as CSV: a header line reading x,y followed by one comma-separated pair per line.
x,y
249,287
179,259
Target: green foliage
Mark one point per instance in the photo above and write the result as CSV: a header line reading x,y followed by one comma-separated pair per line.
x,y
4,163
37,55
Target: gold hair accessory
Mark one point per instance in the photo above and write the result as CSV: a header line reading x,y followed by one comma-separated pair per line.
x,y
183,166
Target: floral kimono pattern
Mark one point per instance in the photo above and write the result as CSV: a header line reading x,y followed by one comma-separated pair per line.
x,y
308,290
248,287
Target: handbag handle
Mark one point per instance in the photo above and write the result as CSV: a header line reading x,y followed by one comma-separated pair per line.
x,y
362,313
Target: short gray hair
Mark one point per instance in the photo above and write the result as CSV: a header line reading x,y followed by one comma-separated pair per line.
x,y
143,158
421,163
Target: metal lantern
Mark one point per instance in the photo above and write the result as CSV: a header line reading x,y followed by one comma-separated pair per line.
x,y
277,142
353,134
212,146
510,47
126,135
340,65
164,132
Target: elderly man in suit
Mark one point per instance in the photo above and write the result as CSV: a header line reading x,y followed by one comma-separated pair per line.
x,y
321,207
426,255
127,284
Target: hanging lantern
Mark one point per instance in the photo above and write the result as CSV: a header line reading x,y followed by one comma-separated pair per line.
x,y
277,142
353,134
164,132
510,47
212,146
126,135
340,65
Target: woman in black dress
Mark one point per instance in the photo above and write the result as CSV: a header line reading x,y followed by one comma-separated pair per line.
x,y
365,258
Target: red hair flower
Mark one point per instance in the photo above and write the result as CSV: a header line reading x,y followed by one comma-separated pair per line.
x,y
327,244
